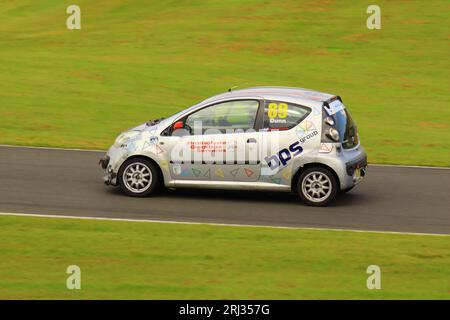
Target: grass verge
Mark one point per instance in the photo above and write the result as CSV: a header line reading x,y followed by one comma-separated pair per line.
x,y
133,61
133,260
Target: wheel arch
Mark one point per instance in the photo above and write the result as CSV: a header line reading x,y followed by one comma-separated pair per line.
x,y
300,170
140,156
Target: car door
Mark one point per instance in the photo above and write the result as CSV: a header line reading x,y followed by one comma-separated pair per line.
x,y
284,131
223,143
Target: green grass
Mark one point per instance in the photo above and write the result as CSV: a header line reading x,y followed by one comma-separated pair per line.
x,y
129,260
134,60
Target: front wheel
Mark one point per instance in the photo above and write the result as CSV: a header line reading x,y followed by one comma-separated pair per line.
x,y
317,186
138,177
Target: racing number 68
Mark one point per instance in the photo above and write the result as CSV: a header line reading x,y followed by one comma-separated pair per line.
x,y
277,110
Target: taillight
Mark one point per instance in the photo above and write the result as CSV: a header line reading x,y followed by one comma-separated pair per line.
x,y
333,134
329,121
356,137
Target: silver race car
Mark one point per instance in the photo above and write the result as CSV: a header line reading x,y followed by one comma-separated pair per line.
x,y
263,138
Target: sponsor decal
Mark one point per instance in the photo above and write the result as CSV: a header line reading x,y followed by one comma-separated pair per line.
x,y
304,128
208,174
209,146
305,131
234,172
276,180
153,140
308,136
185,173
334,107
248,172
159,150
326,147
164,164
176,169
219,172
287,173
284,156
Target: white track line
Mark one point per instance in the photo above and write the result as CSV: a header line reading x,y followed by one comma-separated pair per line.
x,y
215,224
49,148
89,150
407,166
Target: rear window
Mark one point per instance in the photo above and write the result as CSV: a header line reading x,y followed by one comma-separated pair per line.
x,y
280,115
347,129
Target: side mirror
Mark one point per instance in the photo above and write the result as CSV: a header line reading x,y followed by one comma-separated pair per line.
x,y
178,125
179,129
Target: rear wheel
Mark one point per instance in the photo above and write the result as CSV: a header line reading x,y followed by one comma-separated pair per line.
x,y
317,186
139,177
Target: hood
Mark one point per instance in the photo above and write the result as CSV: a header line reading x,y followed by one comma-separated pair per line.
x,y
154,124
140,127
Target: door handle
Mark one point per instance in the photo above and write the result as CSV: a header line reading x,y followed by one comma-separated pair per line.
x,y
251,140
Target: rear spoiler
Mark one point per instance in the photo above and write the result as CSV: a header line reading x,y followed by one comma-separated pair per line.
x,y
327,103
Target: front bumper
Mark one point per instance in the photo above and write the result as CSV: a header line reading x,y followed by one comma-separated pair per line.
x,y
104,161
110,177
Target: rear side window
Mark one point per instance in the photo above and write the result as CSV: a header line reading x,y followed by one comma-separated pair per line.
x,y
280,115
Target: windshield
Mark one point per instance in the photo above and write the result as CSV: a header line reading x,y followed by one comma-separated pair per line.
x,y
347,129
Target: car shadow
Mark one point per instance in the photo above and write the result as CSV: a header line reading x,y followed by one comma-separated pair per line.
x,y
233,195
248,196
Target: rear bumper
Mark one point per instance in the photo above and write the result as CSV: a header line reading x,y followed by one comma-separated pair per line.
x,y
349,165
357,168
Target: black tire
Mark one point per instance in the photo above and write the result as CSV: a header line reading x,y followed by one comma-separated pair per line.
x,y
327,185
147,167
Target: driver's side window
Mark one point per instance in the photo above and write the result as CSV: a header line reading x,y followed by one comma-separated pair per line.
x,y
224,117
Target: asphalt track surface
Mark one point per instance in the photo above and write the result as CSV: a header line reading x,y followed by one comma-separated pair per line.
x,y
62,182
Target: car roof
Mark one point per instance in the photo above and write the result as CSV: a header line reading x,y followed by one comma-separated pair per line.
x,y
276,93
304,97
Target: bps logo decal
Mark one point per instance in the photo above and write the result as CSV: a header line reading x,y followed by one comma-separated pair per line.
x,y
283,156
305,131
308,136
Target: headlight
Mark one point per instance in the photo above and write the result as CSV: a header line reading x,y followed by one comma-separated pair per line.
x,y
333,134
125,137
